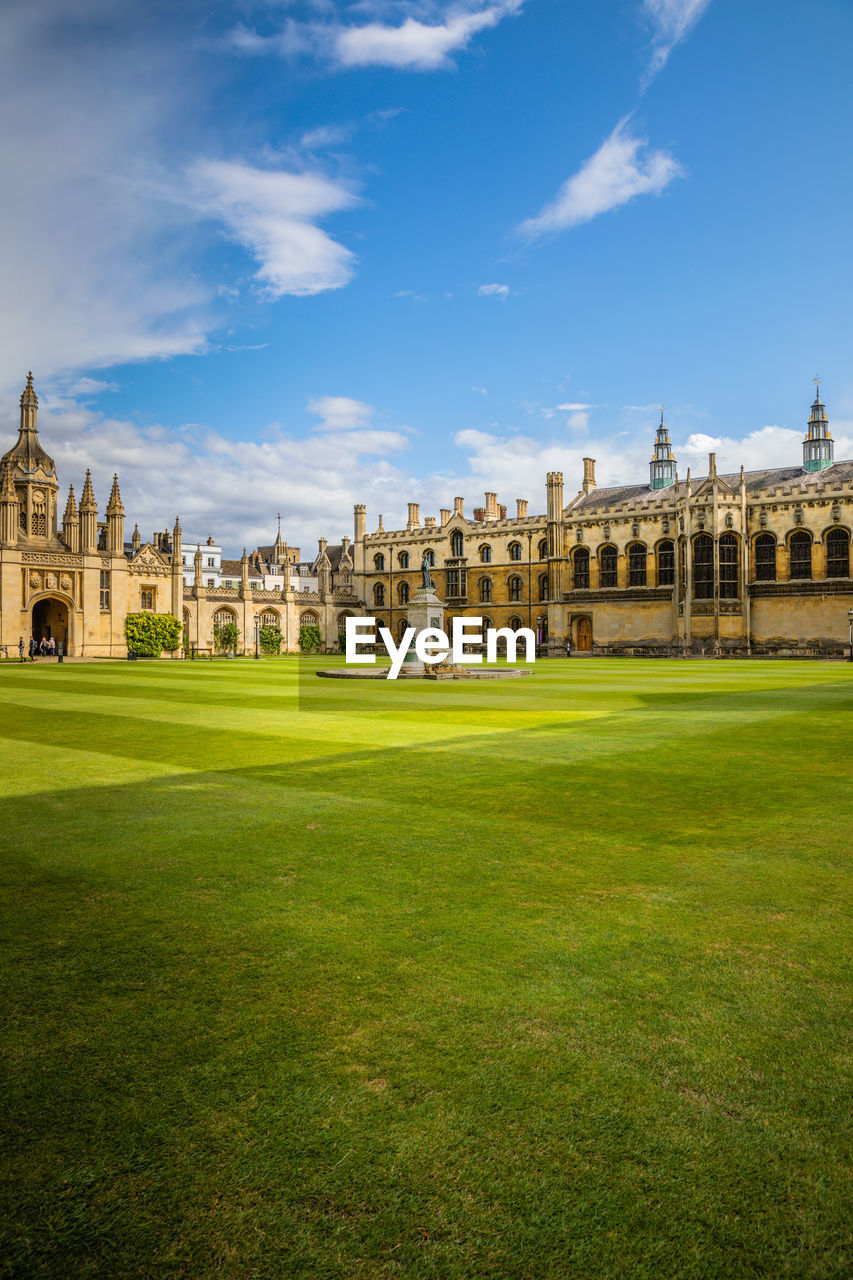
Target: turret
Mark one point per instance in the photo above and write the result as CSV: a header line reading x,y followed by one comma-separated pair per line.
x,y
71,523
359,522
662,465
818,446
554,495
177,570
136,540
33,472
197,582
245,588
115,520
10,509
88,517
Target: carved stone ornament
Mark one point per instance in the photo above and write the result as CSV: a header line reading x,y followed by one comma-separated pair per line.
x,y
71,561
65,582
798,515
35,581
635,529
50,582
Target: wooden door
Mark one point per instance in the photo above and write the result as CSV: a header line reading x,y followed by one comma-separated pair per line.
x,y
584,643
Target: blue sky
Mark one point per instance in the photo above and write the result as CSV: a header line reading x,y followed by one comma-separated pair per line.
x,y
286,257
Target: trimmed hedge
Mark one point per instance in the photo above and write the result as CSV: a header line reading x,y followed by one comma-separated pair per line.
x,y
150,634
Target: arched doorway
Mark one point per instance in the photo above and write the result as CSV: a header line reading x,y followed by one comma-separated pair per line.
x,y
50,618
584,635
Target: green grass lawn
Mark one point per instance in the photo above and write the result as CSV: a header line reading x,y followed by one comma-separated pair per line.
x,y
540,978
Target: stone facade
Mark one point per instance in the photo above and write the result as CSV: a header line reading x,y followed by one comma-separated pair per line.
x,y
745,563
77,581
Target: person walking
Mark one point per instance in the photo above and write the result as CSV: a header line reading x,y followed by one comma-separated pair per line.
x,y
43,646
51,647
21,649
568,646
33,648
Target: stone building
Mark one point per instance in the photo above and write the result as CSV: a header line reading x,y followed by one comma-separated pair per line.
x,y
745,563
78,579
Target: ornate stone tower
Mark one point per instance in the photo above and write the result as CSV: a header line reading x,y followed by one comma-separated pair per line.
x,y
662,465
88,517
115,521
818,445
34,475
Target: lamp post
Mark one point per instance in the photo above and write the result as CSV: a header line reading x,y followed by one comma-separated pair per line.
x,y
391,589
850,620
257,635
529,589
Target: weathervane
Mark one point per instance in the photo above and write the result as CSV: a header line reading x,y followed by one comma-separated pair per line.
x,y
817,381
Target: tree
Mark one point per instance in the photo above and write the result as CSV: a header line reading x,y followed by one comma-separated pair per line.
x,y
226,637
150,634
270,638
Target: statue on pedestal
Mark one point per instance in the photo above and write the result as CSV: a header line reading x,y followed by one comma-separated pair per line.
x,y
427,583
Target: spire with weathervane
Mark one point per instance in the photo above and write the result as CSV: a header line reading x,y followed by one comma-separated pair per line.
x,y
818,446
662,465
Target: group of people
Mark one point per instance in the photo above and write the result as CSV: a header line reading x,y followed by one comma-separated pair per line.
x,y
44,648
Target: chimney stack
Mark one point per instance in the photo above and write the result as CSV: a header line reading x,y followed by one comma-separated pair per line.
x,y
414,516
359,521
588,474
521,508
458,506
445,516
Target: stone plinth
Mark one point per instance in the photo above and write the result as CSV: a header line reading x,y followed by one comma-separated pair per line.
x,y
425,611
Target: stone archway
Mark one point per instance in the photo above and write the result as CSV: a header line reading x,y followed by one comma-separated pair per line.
x,y
51,617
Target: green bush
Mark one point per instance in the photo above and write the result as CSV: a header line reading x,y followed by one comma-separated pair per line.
x,y
150,634
270,638
309,639
226,637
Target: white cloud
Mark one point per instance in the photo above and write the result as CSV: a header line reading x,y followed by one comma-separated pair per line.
x,y
340,413
578,421
619,170
493,290
315,477
102,115
416,44
672,21
271,213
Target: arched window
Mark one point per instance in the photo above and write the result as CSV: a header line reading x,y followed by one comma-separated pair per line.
x,y
543,587
728,567
430,558
223,618
637,564
457,544
403,559
485,588
542,549
401,628
269,618
309,619
838,554
800,551
514,588
765,558
403,593
580,567
607,557
515,624
703,567
379,563
487,624
515,551
485,554
379,594
666,563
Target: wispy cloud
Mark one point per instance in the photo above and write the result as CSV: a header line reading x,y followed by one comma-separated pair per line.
x,y
419,43
493,291
671,21
622,168
272,214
